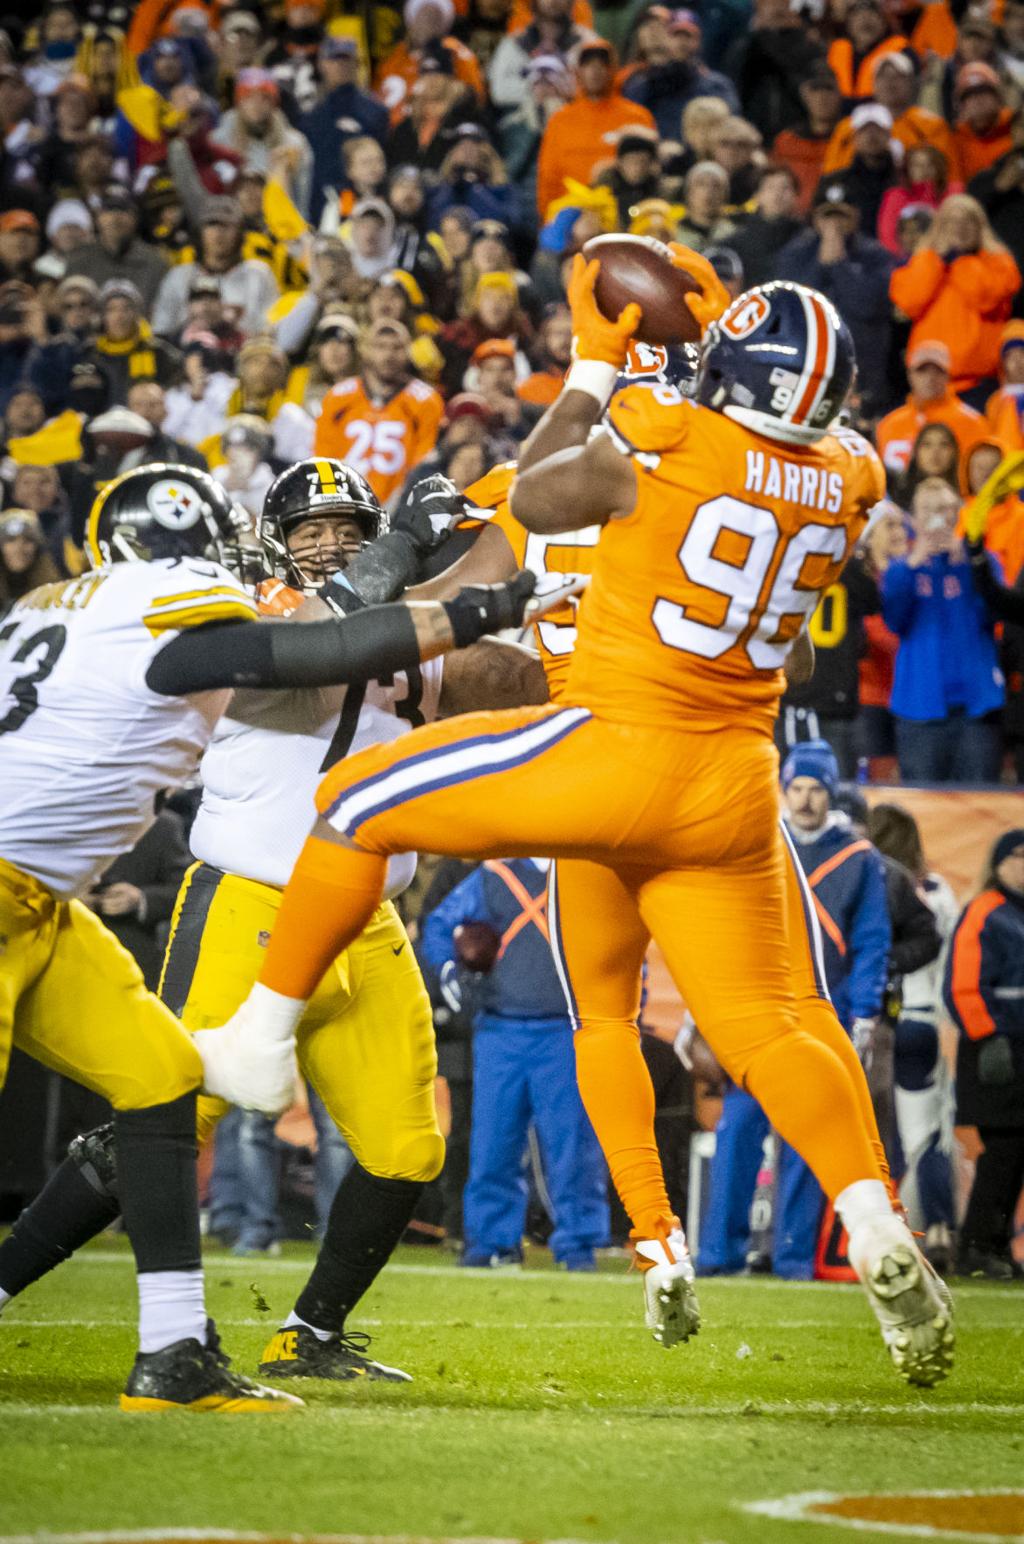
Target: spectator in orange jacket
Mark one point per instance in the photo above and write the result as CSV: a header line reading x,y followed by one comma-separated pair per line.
x,y
853,57
931,401
428,28
581,135
982,132
895,87
803,147
553,358
1004,526
958,287
1005,407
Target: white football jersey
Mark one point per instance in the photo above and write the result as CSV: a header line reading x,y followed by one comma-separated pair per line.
x,y
269,755
85,746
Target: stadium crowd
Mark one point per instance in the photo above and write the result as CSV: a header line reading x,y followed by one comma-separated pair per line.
x,y
235,235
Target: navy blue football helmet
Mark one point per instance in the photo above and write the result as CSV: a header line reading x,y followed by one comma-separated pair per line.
x,y
781,361
655,364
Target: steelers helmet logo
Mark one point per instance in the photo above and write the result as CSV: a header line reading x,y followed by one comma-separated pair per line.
x,y
174,504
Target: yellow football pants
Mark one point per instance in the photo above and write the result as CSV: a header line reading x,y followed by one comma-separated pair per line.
x,y
366,1041
74,999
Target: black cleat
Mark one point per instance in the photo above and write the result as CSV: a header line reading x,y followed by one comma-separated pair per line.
x,y
297,1352
188,1376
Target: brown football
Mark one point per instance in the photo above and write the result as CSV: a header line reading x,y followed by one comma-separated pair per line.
x,y
640,268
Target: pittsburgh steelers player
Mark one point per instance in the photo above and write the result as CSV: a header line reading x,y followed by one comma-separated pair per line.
x,y
110,688
259,775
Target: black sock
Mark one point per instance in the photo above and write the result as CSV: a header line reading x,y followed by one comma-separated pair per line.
x,y
156,1178
66,1214
368,1217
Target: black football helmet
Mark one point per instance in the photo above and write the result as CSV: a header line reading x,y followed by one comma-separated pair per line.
x,y
165,511
781,361
320,488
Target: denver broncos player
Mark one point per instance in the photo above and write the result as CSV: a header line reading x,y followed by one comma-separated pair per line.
x,y
722,523
110,687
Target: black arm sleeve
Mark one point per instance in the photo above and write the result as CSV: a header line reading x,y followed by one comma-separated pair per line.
x,y
1005,605
384,569
374,642
915,937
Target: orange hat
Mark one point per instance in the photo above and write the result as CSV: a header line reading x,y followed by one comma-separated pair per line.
x,y
18,220
977,77
493,348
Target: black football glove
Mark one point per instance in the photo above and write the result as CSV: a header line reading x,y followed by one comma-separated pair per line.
x,y
489,608
427,513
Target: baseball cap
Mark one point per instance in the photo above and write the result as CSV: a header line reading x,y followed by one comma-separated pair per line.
x,y
1012,336
241,21
334,47
121,289
814,758
468,404
253,82
894,61
336,324
375,206
832,193
20,522
248,430
18,220
871,113
221,210
595,46
119,421
493,348
976,77
929,352
116,197
684,21
387,325
495,281
636,137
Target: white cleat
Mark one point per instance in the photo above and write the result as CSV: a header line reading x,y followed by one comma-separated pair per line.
x,y
913,1307
672,1311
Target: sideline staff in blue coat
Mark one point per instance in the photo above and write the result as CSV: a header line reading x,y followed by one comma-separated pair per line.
x,y
524,1072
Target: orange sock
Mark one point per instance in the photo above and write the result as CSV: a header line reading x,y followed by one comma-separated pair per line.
x,y
618,1096
810,1099
331,896
819,1019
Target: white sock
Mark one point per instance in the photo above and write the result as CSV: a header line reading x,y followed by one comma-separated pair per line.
x,y
866,1200
5,1297
171,1307
293,1319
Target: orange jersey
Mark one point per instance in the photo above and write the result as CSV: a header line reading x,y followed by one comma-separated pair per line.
x,y
383,441
698,594
570,552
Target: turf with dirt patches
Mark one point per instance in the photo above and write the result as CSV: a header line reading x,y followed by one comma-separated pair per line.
x,y
541,1410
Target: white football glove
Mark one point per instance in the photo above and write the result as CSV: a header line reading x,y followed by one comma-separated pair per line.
x,y
250,1061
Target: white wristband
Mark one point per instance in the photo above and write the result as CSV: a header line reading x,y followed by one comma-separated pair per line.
x,y
593,376
273,1013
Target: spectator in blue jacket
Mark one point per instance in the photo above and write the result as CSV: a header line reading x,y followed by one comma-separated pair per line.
x,y
853,270
524,1071
674,74
344,112
847,883
984,991
472,176
948,684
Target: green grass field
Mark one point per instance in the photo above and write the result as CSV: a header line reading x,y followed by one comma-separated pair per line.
x,y
541,1410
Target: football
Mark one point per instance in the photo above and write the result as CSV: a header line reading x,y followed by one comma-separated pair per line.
x,y
640,268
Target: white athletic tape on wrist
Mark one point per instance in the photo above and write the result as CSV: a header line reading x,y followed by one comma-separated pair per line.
x,y
594,376
274,1013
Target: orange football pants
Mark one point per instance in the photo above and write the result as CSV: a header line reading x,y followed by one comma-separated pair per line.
x,y
665,833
